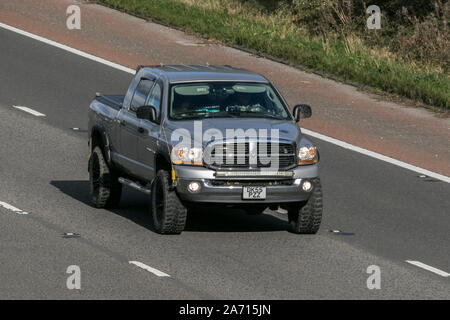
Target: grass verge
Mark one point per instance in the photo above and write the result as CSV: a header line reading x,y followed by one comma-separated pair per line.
x,y
346,58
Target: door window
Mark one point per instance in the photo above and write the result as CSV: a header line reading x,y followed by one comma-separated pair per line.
x,y
155,99
141,94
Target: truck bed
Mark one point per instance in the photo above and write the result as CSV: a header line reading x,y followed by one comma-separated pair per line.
x,y
113,101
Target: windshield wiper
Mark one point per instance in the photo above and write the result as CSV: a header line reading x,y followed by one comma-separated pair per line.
x,y
273,117
226,115
258,115
201,115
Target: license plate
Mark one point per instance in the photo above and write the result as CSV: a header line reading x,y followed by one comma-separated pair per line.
x,y
254,193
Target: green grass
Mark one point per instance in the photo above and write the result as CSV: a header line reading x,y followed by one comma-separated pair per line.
x,y
359,64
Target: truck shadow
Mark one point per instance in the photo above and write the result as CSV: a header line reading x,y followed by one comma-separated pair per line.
x,y
134,206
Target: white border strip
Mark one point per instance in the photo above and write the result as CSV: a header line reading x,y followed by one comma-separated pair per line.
x,y
67,48
376,155
149,269
429,268
306,131
29,110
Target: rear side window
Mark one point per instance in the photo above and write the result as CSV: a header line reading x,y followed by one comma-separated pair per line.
x,y
155,99
141,93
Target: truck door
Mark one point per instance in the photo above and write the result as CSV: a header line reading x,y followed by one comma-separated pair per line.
x,y
149,134
130,126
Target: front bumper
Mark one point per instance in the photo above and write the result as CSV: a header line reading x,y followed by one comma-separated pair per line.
x,y
210,192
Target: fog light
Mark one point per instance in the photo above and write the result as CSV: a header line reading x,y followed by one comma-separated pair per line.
x,y
306,186
194,186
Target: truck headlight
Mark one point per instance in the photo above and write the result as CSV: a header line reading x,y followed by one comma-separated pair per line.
x,y
307,155
189,156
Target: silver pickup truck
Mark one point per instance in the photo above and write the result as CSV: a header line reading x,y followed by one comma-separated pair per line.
x,y
204,136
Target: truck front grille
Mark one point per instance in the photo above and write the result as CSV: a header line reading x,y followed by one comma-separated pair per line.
x,y
244,155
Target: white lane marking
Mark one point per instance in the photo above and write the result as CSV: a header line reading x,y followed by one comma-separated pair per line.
x,y
306,131
149,269
29,110
67,48
429,268
376,155
12,208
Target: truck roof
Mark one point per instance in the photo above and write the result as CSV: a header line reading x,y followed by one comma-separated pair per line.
x,y
185,73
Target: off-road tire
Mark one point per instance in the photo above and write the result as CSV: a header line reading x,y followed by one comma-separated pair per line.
x,y
305,217
104,186
169,214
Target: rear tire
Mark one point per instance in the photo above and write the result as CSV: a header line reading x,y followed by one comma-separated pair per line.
x,y
169,214
305,217
105,189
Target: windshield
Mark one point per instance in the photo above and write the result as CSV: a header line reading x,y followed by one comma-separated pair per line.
x,y
225,100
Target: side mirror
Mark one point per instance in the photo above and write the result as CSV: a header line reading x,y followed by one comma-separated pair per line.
x,y
302,111
146,113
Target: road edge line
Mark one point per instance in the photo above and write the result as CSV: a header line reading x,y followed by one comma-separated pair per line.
x,y
376,155
67,48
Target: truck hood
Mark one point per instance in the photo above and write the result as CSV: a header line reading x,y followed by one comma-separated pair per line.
x,y
287,130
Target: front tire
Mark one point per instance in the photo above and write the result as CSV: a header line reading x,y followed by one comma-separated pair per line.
x,y
104,188
305,217
169,214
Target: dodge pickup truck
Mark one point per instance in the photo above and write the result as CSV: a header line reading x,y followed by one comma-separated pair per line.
x,y
193,136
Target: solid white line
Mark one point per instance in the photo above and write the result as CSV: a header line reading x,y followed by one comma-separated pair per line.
x,y
306,131
67,48
29,110
429,268
376,155
12,208
149,269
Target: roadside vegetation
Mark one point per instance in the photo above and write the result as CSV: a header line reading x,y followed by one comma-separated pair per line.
x,y
409,56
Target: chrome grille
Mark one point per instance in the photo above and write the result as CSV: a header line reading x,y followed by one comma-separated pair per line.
x,y
251,155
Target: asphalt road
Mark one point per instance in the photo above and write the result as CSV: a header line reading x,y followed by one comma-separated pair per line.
x,y
386,214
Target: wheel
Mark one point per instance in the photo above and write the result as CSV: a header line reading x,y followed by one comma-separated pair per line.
x,y
105,189
305,217
255,210
169,214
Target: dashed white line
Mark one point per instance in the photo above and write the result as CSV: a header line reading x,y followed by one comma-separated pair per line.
x,y
429,268
306,131
29,110
12,208
149,269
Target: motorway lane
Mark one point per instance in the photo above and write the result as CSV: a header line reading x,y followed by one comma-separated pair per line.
x,y
35,258
395,215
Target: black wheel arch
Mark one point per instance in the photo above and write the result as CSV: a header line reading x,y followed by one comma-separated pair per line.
x,y
99,137
162,162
